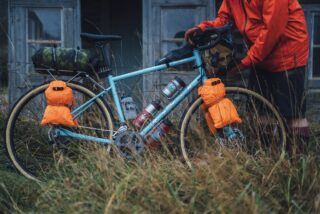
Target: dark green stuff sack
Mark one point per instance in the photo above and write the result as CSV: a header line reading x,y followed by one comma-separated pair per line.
x,y
66,59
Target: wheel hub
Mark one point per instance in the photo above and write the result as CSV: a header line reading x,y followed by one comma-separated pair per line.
x,y
55,138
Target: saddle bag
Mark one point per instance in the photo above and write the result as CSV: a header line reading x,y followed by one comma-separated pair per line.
x,y
60,100
66,59
221,109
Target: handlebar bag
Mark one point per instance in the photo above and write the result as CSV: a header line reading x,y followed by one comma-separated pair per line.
x,y
222,111
66,59
217,59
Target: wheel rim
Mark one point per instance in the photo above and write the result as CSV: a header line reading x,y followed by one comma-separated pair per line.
x,y
196,142
27,141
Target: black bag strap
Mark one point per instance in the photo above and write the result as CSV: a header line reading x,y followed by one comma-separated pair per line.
x,y
76,58
54,56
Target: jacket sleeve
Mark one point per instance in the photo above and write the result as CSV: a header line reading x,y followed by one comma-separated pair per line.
x,y
275,18
224,16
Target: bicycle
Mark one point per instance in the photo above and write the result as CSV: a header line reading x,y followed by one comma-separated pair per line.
x,y
33,148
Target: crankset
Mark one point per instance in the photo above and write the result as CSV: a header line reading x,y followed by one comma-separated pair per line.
x,y
129,143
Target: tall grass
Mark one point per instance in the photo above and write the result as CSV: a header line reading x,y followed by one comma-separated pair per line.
x,y
99,183
159,183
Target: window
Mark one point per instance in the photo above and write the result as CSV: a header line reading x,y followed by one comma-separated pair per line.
x,y
44,29
312,13
315,45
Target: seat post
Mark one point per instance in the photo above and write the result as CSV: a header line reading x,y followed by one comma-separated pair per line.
x,y
104,54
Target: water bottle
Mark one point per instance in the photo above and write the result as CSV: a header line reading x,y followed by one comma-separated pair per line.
x,y
173,87
129,108
147,114
158,133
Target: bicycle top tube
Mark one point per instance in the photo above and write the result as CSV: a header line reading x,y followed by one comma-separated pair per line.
x,y
158,68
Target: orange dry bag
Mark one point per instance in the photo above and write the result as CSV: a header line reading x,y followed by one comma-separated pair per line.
x,y
224,113
58,93
59,101
208,119
222,110
58,115
212,91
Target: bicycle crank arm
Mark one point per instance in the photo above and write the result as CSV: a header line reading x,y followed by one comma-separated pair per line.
x,y
66,133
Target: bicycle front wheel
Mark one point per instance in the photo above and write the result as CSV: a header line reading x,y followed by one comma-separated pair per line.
x,y
33,148
262,130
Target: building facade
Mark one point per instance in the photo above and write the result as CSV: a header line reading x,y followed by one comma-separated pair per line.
x,y
150,28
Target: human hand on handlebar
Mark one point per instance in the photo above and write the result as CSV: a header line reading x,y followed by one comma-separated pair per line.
x,y
191,33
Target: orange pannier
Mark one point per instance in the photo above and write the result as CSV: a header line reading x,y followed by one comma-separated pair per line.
x,y
58,93
221,110
208,119
212,91
58,115
59,103
224,113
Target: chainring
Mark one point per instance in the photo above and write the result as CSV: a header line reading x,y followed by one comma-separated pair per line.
x,y
129,143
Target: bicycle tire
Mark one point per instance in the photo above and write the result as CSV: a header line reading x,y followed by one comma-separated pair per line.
x,y
25,107
253,116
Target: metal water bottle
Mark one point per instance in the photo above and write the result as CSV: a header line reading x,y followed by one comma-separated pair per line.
x,y
173,87
158,133
147,114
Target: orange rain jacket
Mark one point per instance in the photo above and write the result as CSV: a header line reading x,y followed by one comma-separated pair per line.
x,y
275,31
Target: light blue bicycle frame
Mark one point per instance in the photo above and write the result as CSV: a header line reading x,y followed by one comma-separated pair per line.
x,y
196,58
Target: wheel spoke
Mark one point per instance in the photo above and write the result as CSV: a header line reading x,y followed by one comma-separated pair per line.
x,y
28,142
262,128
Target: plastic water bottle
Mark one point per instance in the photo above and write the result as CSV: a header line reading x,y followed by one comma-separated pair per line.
x,y
129,108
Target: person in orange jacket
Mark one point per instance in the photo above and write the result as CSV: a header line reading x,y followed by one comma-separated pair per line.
x,y
276,34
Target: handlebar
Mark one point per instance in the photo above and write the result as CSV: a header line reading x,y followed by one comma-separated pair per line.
x,y
211,37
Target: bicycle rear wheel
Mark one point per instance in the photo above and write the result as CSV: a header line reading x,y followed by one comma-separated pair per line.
x,y
32,148
262,128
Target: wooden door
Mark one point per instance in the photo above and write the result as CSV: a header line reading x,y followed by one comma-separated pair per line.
x,y
164,24
34,24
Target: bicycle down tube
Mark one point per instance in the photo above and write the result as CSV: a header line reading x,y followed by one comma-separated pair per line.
x,y
112,82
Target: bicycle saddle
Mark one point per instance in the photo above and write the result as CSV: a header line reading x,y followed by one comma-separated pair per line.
x,y
99,38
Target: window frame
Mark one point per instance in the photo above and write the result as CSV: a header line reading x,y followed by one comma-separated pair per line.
x,y
42,42
310,11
